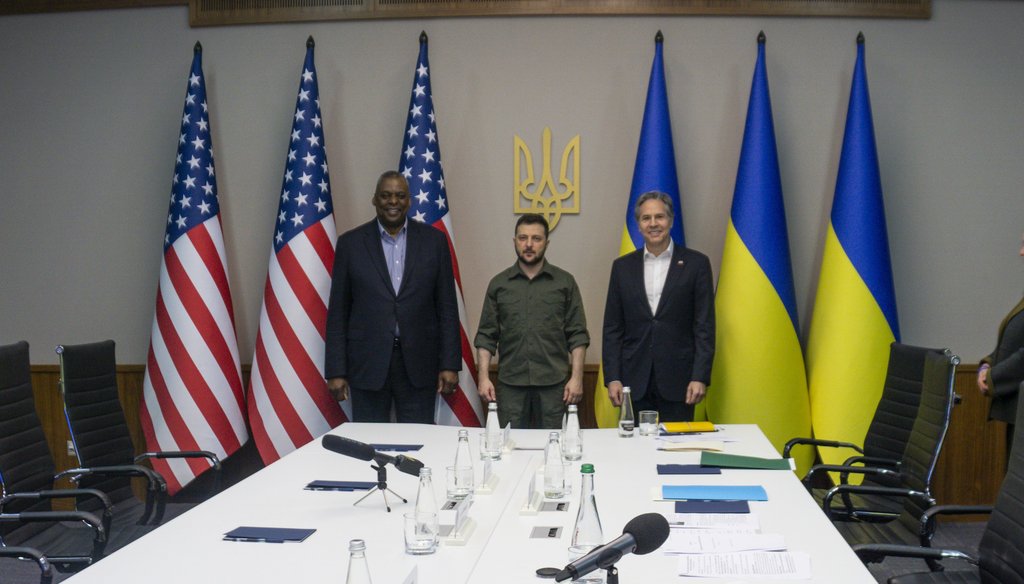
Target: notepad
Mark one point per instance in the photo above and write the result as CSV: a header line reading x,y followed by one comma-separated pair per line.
x,y
397,447
268,534
687,427
681,469
712,507
320,485
714,492
722,460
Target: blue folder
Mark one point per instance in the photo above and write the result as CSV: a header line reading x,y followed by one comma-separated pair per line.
x,y
715,492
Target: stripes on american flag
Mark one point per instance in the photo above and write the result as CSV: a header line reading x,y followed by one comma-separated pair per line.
x,y
420,164
192,392
288,400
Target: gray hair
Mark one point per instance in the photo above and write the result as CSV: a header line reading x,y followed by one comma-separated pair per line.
x,y
654,196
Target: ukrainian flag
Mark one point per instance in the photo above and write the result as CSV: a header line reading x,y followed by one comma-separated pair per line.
x,y
655,170
758,374
855,308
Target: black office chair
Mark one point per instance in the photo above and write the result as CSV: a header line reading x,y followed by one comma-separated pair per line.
x,y
1000,558
918,466
886,438
29,554
26,480
99,432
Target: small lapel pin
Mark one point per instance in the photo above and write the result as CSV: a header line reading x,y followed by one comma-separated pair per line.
x,y
680,262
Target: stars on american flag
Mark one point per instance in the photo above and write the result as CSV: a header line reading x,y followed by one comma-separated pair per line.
x,y
306,188
421,154
194,184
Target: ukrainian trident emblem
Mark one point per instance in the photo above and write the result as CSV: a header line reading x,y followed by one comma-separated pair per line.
x,y
544,196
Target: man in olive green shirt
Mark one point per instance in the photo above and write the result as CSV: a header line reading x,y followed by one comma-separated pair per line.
x,y
533,316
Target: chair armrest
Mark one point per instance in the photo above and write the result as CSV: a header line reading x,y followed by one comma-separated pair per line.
x,y
876,552
108,506
156,486
26,553
826,504
100,533
879,461
845,472
818,442
932,514
214,460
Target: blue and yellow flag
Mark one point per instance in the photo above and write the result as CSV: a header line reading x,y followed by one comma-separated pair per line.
x,y
855,308
758,374
655,170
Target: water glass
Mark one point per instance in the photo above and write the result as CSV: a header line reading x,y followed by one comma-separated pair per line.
x,y
421,533
648,423
458,482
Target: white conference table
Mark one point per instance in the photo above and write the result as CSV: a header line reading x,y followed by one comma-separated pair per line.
x,y
499,550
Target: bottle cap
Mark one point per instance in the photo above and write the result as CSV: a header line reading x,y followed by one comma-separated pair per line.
x,y
626,390
425,471
356,545
492,406
573,408
553,436
463,432
587,468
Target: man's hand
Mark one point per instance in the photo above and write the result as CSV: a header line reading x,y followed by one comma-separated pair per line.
x,y
982,381
338,386
446,382
485,388
615,392
695,392
573,393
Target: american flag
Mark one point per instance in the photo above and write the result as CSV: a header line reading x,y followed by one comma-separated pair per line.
x,y
192,391
420,164
288,400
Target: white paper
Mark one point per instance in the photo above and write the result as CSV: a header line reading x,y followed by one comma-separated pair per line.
x,y
747,565
734,522
705,437
682,541
692,446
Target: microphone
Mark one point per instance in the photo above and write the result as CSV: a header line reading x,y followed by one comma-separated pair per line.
x,y
642,535
363,451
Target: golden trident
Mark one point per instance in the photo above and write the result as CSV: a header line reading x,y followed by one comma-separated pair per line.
x,y
553,205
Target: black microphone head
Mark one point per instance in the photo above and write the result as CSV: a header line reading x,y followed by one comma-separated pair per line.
x,y
348,447
650,530
408,465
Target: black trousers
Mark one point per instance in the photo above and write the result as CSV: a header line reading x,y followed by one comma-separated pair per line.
x,y
412,404
668,411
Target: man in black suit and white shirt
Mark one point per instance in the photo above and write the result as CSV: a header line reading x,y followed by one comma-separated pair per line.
x,y
393,322
659,319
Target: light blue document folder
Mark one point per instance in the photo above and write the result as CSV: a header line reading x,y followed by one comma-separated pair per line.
x,y
714,492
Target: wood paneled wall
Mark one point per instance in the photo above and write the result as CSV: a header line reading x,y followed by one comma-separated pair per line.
x,y
970,470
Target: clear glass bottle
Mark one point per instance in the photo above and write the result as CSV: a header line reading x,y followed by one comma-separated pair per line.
x,y
358,569
587,534
493,439
463,467
627,421
426,506
572,438
554,472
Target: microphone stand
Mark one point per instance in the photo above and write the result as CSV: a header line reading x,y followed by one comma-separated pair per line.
x,y
613,575
382,486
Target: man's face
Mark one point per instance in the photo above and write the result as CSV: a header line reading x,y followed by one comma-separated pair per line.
x,y
530,244
392,202
654,223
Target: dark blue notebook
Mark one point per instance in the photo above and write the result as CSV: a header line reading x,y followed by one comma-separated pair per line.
x,y
712,507
340,485
682,469
268,534
397,447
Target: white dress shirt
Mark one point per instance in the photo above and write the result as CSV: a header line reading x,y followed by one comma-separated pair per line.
x,y
655,272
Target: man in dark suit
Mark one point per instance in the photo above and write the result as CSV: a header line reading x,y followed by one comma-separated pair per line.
x,y
659,319
392,323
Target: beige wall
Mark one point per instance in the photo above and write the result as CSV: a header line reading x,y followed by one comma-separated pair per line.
x,y
90,106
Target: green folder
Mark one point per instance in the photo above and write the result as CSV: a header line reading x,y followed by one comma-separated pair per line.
x,y
735,461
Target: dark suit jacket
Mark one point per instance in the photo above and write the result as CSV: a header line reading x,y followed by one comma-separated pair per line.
x,y
364,308
1007,366
676,342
